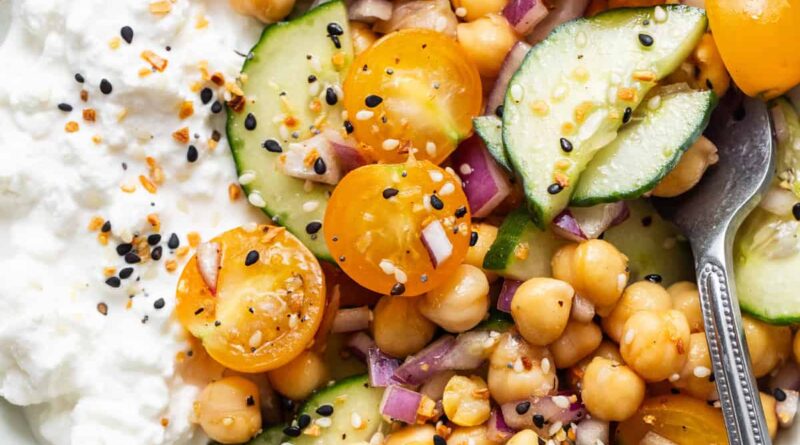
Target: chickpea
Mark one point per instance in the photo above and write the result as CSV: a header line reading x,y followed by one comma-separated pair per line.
x,y
769,345
688,302
460,303
518,370
362,35
703,69
596,269
228,410
577,341
695,377
679,287
562,264
466,400
434,386
268,11
476,435
300,377
412,435
271,410
541,308
770,415
607,350
486,41
524,437
475,9
691,167
655,343
796,347
640,296
611,391
399,328
487,233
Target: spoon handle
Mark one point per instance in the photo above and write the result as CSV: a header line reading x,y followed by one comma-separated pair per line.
x,y
741,405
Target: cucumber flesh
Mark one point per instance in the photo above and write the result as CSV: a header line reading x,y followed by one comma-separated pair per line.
x,y
347,397
573,88
279,64
490,129
646,149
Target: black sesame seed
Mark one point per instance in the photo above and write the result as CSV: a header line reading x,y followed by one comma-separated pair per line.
x,y
65,107
106,87
499,111
373,101
106,227
348,127
319,166
217,323
303,421
79,78
250,401
523,407
159,304
779,394
796,211
272,146
252,258
199,311
126,273
554,188
646,39
653,278
436,203
709,84
439,440
113,282
313,227
312,78
461,212
325,410
216,107
292,431
127,34
250,122
335,29
390,192
330,96
538,420
626,116
206,95
566,145
647,221
124,248
398,289
473,239
156,253
173,241
646,22
132,258
191,153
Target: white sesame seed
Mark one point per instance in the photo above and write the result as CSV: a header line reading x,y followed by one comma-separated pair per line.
x,y
390,144
338,90
430,148
369,217
324,422
461,12
554,428
247,177
227,421
441,24
516,92
465,169
518,367
559,92
451,172
561,402
628,337
400,276
580,39
654,102
293,320
310,206
436,176
315,64
376,439
283,131
545,365
386,266
660,14
256,199
314,88
355,420
674,377
701,372
255,339
363,115
447,189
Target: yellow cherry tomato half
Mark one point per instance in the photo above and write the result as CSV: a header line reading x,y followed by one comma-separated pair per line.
x,y
413,90
398,229
267,304
758,41
681,419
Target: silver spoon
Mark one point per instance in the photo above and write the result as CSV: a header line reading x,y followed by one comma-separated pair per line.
x,y
709,216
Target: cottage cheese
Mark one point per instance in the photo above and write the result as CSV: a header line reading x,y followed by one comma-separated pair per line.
x,y
84,377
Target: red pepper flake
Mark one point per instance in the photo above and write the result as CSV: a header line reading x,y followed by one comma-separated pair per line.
x,y
102,308
186,109
71,127
147,184
181,135
84,95
89,115
157,62
218,79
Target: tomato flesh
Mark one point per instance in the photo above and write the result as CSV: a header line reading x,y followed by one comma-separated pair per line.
x,y
682,419
413,90
375,220
262,315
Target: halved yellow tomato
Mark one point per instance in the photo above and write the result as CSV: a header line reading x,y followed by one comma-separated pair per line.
x,y
264,305
681,419
398,229
414,90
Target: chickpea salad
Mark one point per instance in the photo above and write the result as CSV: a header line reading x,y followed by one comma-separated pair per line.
x,y
458,246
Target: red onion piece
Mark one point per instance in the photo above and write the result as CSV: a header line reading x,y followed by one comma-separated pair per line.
x,y
582,309
418,368
381,368
566,226
436,243
360,344
510,66
787,409
561,11
437,15
787,377
370,11
592,432
400,404
507,294
498,430
485,183
345,151
523,15
470,350
554,409
352,319
652,438
794,97
208,258
582,223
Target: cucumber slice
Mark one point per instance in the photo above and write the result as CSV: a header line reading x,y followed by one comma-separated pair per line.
x,y
490,129
569,97
278,64
652,245
646,149
521,250
347,397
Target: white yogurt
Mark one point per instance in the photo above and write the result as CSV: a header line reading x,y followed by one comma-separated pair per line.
x,y
86,378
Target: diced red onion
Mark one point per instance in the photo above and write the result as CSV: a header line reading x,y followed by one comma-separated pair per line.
x,y
782,132
794,97
293,161
360,344
400,404
582,223
523,15
507,294
433,388
381,368
498,431
695,3
417,369
560,12
510,66
566,226
345,150
352,319
786,409
553,408
582,309
787,377
208,258
370,11
470,350
485,183
592,432
437,15
436,242
653,438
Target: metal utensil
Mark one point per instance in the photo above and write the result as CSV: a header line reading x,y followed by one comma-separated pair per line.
x,y
709,216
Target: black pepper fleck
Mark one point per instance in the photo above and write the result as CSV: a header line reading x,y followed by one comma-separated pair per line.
x,y
312,78
191,153
250,401
335,29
